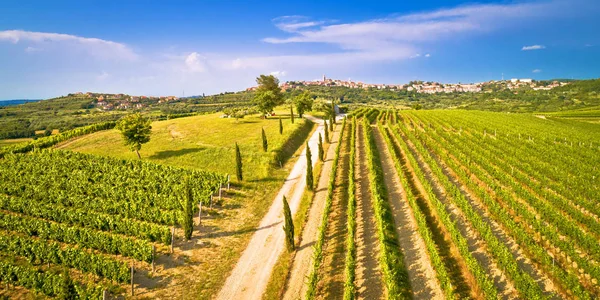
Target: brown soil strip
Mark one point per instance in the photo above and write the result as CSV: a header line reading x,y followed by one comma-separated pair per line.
x,y
303,258
369,281
331,284
464,282
477,246
523,261
420,270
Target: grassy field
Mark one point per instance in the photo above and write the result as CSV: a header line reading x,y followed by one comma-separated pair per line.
x,y
208,142
10,142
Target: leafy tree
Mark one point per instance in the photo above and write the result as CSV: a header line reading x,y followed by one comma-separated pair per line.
x,y
136,130
309,169
288,227
292,113
67,287
280,126
265,144
268,94
321,151
304,102
188,211
238,163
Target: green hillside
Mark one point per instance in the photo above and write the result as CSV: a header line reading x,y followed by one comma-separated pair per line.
x,y
207,142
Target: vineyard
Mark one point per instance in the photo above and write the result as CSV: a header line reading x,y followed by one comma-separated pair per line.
x,y
456,204
97,216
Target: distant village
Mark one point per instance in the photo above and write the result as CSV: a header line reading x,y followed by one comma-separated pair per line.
x,y
109,102
425,87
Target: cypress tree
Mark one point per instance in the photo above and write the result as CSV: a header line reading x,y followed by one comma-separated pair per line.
x,y
238,163
321,151
280,126
292,113
333,110
188,211
264,141
288,227
326,133
331,121
309,169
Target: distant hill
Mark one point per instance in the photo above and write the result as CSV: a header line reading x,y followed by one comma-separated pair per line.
x,y
16,102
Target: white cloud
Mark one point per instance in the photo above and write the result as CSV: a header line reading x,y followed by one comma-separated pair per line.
x,y
102,76
295,23
93,46
427,55
196,62
32,49
278,73
536,71
533,47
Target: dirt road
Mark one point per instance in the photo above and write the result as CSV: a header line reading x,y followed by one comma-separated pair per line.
x,y
303,260
250,277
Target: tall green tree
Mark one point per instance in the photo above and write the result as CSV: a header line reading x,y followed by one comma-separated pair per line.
x,y
135,130
292,113
238,163
331,121
188,211
326,132
280,126
265,144
333,114
321,151
309,169
288,227
304,103
268,94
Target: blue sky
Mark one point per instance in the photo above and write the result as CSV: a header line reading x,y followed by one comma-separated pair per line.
x,y
51,48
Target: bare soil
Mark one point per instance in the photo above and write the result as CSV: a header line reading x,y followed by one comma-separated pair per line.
x,y
420,270
250,277
303,258
477,245
369,281
331,285
523,261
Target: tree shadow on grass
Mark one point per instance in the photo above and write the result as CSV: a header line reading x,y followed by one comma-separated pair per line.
x,y
173,153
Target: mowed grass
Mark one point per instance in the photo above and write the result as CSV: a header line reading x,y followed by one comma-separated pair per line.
x,y
9,142
202,142
207,142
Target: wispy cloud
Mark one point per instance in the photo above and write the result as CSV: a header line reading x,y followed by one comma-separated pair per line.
x,y
32,49
278,73
295,23
102,76
94,46
536,71
533,47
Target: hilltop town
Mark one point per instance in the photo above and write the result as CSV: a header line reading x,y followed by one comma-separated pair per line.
x,y
427,87
109,102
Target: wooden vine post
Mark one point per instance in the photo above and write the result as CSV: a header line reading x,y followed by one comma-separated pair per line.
x,y
153,257
172,238
104,295
200,213
228,181
132,280
220,190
